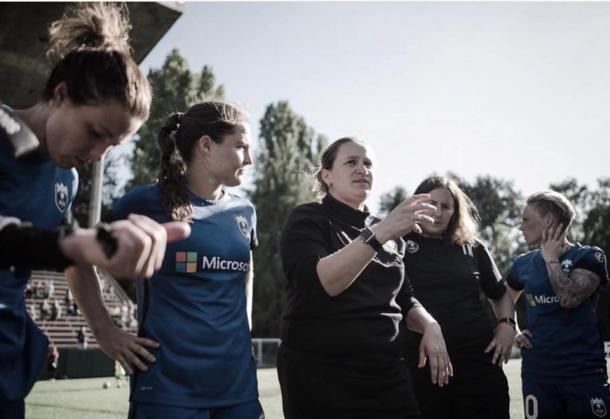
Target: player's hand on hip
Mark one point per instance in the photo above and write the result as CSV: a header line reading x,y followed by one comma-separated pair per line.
x,y
502,343
523,340
433,348
126,348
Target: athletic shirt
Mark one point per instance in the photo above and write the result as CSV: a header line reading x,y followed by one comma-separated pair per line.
x,y
362,320
195,305
448,280
35,190
567,345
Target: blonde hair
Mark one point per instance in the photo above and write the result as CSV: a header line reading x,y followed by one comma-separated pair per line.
x,y
101,26
547,201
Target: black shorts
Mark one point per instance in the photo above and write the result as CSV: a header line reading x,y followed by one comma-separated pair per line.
x,y
478,390
371,386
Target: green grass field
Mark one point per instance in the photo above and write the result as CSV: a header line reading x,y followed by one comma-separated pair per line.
x,y
85,398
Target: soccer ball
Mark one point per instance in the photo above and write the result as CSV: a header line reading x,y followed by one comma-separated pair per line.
x,y
106,385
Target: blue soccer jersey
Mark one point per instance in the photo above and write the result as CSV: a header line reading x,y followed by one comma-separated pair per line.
x,y
567,345
32,189
195,305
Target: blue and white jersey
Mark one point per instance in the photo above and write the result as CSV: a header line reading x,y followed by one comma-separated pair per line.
x,y
32,189
567,345
195,305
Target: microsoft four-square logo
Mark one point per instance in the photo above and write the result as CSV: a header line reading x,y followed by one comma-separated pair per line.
x,y
186,262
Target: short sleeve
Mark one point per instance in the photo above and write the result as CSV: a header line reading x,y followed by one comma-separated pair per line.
x,y
513,280
253,236
594,261
302,245
405,298
491,281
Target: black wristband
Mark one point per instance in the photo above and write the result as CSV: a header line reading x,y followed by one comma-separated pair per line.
x,y
106,239
508,320
368,236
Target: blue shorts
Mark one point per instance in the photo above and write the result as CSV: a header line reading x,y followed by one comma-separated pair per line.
x,y
566,401
14,409
248,410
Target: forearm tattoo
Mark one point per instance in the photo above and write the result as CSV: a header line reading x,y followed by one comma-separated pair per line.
x,y
573,289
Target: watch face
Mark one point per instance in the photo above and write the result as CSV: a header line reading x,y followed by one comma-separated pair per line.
x,y
366,234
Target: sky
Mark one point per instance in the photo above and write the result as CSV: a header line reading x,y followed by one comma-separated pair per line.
x,y
519,91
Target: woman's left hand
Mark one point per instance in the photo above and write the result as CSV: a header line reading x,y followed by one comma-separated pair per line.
x,y
502,343
433,348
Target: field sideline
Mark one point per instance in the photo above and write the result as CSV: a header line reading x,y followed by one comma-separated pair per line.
x,y
85,398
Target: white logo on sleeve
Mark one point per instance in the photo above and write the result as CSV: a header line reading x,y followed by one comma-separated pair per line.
x,y
599,256
598,407
566,266
412,247
61,196
242,223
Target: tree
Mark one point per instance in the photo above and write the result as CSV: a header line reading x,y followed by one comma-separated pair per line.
x,y
174,88
499,211
289,151
390,200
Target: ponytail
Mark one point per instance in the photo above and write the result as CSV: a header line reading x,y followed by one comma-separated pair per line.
x,y
178,138
172,173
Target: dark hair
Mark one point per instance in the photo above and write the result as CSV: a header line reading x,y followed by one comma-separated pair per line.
x,y
545,202
462,227
177,140
328,159
89,46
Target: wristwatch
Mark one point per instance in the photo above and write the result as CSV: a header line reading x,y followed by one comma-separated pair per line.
x,y
368,236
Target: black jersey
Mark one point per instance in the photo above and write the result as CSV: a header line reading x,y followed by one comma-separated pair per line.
x,y
364,318
448,280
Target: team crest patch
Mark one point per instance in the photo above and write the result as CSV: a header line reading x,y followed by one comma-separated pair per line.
x,y
598,407
412,247
599,256
61,196
566,266
242,223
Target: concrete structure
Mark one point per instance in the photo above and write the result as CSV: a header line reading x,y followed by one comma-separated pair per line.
x,y
24,35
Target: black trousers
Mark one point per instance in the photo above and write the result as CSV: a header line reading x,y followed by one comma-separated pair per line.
x,y
478,390
363,387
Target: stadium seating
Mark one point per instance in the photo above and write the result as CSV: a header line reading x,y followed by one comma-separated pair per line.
x,y
63,332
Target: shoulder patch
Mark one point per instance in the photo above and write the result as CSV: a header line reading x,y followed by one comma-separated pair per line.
x,y
61,196
412,246
599,256
242,223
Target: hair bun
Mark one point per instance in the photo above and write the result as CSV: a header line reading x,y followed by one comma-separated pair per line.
x,y
96,26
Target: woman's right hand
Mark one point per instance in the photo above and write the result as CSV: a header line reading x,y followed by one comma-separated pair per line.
x,y
405,218
523,340
140,249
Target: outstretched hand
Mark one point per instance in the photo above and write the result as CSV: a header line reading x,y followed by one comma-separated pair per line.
x,y
405,218
141,244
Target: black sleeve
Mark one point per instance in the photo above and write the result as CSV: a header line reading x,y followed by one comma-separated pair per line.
x,y
405,298
302,245
512,279
490,278
27,247
594,261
